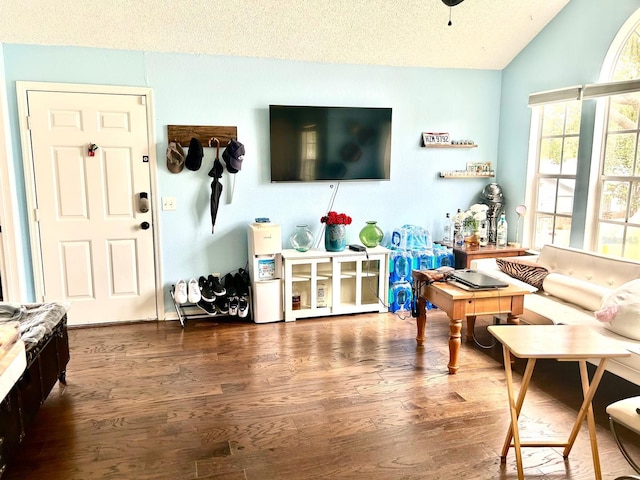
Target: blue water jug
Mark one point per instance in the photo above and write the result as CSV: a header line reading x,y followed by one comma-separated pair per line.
x,y
400,268
400,297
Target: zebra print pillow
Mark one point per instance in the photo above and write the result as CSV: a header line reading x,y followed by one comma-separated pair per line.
x,y
523,270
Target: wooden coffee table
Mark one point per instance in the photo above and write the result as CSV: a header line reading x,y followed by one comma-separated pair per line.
x,y
562,342
459,304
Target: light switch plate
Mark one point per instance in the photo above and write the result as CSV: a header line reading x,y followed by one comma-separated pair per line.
x,y
168,203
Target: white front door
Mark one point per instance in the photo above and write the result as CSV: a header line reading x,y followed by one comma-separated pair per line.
x,y
96,242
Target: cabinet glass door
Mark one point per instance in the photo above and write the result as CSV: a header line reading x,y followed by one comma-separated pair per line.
x,y
358,283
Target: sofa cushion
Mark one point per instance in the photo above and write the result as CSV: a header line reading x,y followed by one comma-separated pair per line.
x,y
620,310
607,272
579,292
523,270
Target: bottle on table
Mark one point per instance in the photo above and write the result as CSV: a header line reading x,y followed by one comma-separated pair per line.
x,y
483,233
458,236
446,234
501,231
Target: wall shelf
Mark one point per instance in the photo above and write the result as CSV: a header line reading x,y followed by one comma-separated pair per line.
x,y
442,175
448,145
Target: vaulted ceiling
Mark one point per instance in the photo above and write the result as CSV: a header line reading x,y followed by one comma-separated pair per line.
x,y
484,34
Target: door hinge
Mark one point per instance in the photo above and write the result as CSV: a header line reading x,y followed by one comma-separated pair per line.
x,y
143,100
36,215
28,122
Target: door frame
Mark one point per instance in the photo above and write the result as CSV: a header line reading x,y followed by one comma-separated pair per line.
x,y
22,87
11,276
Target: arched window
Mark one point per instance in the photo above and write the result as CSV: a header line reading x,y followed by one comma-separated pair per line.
x,y
613,226
610,208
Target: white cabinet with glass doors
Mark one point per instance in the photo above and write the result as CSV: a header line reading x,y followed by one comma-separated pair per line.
x,y
319,283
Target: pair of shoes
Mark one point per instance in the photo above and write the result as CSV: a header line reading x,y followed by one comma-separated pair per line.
x,y
184,292
241,281
194,291
222,305
232,293
216,286
206,289
180,292
207,296
212,293
207,307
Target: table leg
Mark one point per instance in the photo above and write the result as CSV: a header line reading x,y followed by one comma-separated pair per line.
x,y
526,379
471,324
421,321
512,319
455,327
514,411
586,410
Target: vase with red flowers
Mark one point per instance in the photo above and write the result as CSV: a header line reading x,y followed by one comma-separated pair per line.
x,y
335,238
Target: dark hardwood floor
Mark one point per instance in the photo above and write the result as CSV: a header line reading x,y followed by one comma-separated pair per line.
x,y
334,398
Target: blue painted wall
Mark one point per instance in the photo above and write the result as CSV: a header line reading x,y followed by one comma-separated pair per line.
x,y
210,90
489,107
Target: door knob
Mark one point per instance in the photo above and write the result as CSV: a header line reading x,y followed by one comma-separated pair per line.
x,y
144,225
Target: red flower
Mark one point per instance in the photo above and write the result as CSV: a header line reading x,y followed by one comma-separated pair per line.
x,y
334,218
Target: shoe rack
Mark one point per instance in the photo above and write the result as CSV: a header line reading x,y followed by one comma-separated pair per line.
x,y
187,310
190,310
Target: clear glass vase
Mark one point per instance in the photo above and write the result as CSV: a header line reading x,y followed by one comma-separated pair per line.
x,y
302,238
371,235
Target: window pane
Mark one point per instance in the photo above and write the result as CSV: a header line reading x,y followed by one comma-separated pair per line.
x,y
550,155
610,239
562,232
553,119
566,188
623,112
614,201
570,156
543,233
574,111
634,207
546,195
620,153
629,60
632,244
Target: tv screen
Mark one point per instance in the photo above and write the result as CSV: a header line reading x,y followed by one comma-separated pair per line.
x,y
312,144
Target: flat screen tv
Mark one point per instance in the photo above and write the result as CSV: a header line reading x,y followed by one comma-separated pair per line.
x,y
315,144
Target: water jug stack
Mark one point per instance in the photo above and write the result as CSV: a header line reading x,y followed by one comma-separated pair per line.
x,y
412,249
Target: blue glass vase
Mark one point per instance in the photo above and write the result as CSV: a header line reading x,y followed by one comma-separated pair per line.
x,y
335,238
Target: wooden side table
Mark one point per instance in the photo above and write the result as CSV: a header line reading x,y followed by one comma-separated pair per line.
x,y
562,342
464,255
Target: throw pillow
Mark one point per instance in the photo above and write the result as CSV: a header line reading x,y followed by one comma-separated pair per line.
x,y
620,310
524,270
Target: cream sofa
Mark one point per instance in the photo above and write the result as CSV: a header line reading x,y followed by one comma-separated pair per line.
x,y
577,284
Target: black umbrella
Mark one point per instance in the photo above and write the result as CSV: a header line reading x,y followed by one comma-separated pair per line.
x,y
216,186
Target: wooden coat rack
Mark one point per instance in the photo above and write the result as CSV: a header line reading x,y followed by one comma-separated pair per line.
x,y
184,133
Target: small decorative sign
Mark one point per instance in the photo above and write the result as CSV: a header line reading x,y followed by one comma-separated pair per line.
x,y
435,138
479,168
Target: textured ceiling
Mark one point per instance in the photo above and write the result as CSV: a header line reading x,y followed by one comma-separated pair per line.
x,y
486,34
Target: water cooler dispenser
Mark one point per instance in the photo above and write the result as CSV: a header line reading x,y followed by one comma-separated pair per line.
x,y
265,270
